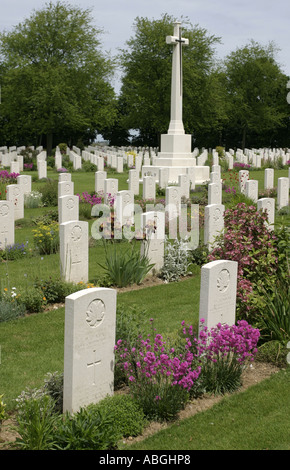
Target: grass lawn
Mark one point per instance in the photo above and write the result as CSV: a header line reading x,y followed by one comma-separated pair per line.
x,y
34,345
256,419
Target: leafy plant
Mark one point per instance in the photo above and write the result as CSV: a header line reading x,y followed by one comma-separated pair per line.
x,y
127,416
125,267
46,238
176,261
36,422
50,193
85,430
11,310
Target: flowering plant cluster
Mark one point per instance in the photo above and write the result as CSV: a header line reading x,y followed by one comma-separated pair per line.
x,y
247,240
28,166
5,179
46,238
223,340
241,166
158,378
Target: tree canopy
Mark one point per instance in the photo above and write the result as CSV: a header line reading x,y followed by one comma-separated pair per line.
x,y
55,77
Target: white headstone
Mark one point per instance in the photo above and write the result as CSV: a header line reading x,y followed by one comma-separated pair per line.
x,y
25,182
110,189
213,223
218,291
90,326
184,185
100,177
267,204
283,192
215,193
15,195
243,177
134,182
251,190
7,224
149,187
64,177
65,188
74,252
68,208
153,224
42,169
269,178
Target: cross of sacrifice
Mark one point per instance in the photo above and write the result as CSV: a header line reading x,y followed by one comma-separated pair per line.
x,y
176,125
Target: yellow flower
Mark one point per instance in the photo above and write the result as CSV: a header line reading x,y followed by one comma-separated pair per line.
x,y
5,288
43,298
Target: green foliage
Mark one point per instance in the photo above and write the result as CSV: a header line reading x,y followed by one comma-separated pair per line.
x,y
176,261
33,199
87,166
130,323
127,416
50,193
10,310
199,255
61,81
46,238
54,290
222,376
36,422
32,299
125,267
3,414
273,352
86,430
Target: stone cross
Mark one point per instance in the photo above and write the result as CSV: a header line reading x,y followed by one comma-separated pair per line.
x,y
176,124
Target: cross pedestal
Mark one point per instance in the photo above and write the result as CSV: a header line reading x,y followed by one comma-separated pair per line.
x,y
175,152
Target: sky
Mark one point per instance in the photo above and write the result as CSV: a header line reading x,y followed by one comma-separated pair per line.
x,y
236,22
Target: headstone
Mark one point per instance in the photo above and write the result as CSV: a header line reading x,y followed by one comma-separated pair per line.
x,y
15,195
251,190
218,290
68,208
184,185
153,224
119,165
213,223
89,340
269,178
110,189
172,202
268,204
74,260
124,207
42,169
14,167
134,182
243,177
7,225
283,192
65,188
64,177
215,193
163,177
149,187
24,181
100,177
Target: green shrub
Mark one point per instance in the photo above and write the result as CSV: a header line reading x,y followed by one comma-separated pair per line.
x,y
273,352
130,323
176,261
125,267
33,200
36,423
11,310
50,193
54,290
199,255
14,252
128,418
50,216
53,386
33,300
85,430
46,238
87,166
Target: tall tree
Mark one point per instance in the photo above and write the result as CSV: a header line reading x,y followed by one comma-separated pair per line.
x,y
55,77
146,81
256,92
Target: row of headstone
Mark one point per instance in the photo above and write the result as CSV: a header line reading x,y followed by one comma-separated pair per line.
x,y
90,329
